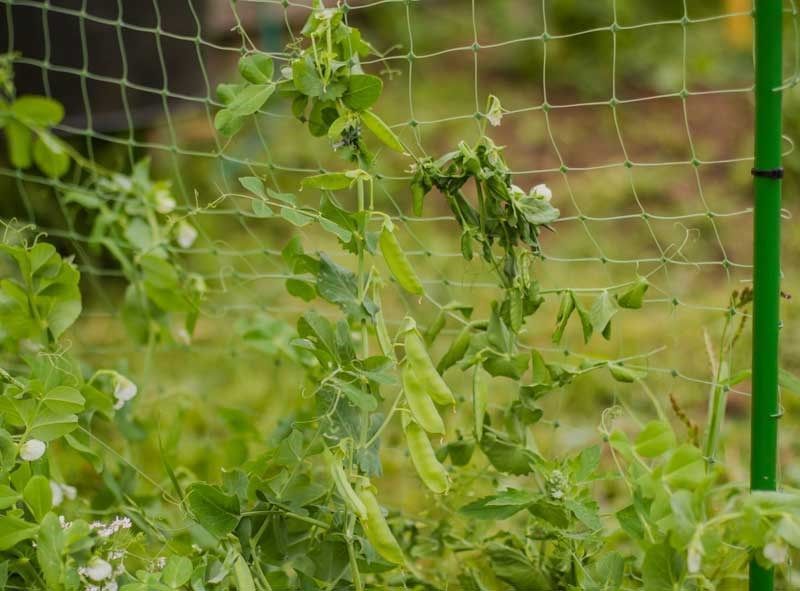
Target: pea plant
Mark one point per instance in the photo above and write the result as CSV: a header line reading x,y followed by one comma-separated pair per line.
x,y
131,217
645,507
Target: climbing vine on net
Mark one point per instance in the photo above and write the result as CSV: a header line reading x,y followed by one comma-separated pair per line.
x,y
307,514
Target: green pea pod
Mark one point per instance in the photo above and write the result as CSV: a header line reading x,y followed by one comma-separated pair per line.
x,y
432,473
480,398
343,486
377,530
398,263
381,331
421,405
426,373
458,348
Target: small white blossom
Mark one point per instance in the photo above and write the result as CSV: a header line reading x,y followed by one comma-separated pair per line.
x,y
124,390
542,191
56,493
183,337
116,554
106,530
97,569
776,553
70,492
164,201
111,586
185,235
159,563
63,522
495,111
32,450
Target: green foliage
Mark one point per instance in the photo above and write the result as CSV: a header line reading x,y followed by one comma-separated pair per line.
x,y
306,514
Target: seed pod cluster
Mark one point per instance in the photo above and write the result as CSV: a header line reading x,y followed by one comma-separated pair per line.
x,y
424,388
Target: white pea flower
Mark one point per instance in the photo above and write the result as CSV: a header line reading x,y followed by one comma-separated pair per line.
x,y
185,235
70,492
32,450
98,569
56,493
164,201
124,389
542,191
494,113
776,552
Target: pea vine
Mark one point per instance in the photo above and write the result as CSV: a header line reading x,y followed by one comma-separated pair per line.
x,y
307,514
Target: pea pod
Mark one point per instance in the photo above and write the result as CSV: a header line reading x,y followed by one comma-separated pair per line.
x,y
458,348
398,262
343,486
432,473
377,530
420,362
421,405
480,397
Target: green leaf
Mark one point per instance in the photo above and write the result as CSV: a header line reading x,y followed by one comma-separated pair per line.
x,y
50,425
506,455
38,110
19,140
603,310
685,468
13,530
304,290
362,91
305,77
500,506
227,123
250,99
256,68
253,184
565,309
382,131
64,399
338,286
216,511
655,439
329,181
296,217
634,297
360,399
49,549
50,156
662,569
8,496
261,209
631,523
177,571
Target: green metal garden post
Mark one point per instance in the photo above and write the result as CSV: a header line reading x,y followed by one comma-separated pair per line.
x,y
766,257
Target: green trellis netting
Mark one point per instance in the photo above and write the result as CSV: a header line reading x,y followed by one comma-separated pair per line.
x,y
638,116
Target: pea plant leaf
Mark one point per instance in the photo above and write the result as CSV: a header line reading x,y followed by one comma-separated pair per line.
x,y
216,511
362,91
